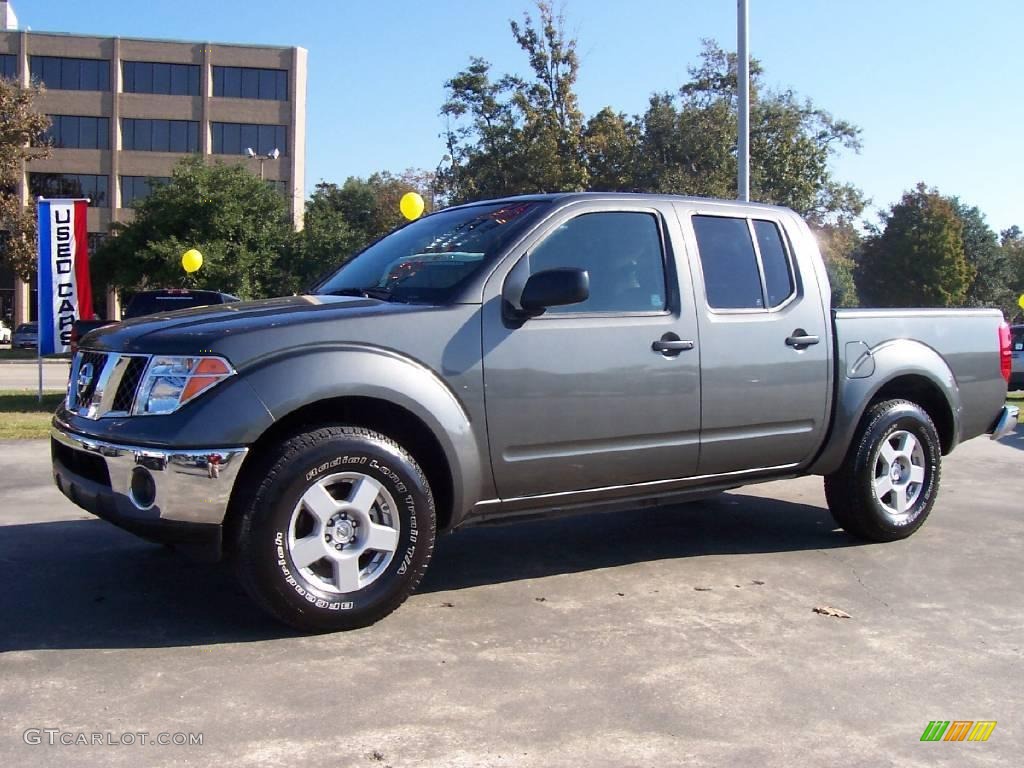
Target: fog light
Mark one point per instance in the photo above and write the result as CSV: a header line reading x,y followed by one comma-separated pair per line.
x,y
143,490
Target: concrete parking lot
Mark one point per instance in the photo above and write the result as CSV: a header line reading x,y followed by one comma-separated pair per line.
x,y
680,636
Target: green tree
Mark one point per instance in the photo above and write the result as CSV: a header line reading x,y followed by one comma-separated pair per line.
x,y
840,245
611,144
990,286
514,135
688,143
918,257
238,222
22,131
1011,242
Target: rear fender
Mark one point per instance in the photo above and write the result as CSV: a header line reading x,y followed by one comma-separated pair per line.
x,y
893,361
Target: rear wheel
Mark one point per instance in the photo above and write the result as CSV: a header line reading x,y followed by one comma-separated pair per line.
x,y
340,531
889,480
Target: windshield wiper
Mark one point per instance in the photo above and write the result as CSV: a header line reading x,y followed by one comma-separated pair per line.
x,y
370,293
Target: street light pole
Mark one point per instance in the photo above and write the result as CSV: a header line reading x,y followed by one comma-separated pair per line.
x,y
743,102
272,155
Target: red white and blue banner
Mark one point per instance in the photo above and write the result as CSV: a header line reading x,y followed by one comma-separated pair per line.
x,y
65,293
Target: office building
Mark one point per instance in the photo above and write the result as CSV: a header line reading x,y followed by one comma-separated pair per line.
x,y
125,111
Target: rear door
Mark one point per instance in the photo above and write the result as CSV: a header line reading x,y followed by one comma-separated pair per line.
x,y
764,350
580,397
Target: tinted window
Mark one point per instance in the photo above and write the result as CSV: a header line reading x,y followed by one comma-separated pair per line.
x,y
136,188
731,276
8,65
70,185
155,77
79,132
250,83
159,135
621,251
778,278
236,138
68,74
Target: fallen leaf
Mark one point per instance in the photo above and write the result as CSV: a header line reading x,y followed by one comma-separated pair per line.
x,y
540,599
447,605
828,610
757,582
702,589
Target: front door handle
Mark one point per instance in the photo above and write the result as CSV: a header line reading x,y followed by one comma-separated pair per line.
x,y
670,345
801,339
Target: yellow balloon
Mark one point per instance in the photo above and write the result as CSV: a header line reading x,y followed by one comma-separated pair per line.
x,y
1020,301
191,260
411,205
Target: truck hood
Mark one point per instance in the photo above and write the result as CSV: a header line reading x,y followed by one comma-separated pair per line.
x,y
230,328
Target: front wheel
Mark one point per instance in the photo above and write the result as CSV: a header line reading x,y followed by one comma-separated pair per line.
x,y
889,480
339,532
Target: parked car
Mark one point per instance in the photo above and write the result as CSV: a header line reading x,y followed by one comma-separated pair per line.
x,y
26,336
5,333
517,357
1017,372
150,303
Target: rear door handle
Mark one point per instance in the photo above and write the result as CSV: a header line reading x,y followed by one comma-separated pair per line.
x,y
801,339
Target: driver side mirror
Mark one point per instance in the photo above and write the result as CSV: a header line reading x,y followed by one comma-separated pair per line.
x,y
554,288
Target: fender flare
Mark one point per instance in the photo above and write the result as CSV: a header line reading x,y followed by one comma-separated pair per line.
x,y
892,360
357,370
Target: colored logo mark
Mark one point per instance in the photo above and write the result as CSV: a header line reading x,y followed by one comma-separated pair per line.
x,y
958,730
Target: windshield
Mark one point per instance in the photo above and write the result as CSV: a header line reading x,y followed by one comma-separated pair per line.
x,y
429,260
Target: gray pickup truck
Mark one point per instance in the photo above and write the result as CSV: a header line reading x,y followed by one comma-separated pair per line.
x,y
529,355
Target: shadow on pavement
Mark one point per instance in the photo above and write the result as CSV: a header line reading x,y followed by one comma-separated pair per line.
x,y
1016,440
87,584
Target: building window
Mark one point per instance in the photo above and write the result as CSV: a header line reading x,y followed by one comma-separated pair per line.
x,y
96,241
159,135
166,79
70,185
8,65
65,74
79,132
134,189
236,138
281,187
250,83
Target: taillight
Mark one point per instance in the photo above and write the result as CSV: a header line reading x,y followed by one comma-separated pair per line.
x,y
74,340
1005,352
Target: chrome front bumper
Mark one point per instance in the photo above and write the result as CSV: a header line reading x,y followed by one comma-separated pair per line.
x,y
146,490
1006,423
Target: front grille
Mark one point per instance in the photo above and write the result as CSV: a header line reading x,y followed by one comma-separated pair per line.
x,y
104,383
129,384
81,463
97,360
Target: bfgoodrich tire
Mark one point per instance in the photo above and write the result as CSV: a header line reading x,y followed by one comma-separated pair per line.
x,y
339,531
889,480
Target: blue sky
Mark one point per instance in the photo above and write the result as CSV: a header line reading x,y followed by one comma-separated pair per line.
x,y
935,85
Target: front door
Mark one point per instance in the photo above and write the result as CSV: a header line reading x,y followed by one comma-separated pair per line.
x,y
578,398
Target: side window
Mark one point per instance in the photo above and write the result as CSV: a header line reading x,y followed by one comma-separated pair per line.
x,y
778,279
621,251
727,258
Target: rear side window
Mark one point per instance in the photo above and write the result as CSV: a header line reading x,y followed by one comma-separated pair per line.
x,y
729,261
622,253
727,258
778,280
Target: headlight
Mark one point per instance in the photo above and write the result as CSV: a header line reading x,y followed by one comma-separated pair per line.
x,y
170,382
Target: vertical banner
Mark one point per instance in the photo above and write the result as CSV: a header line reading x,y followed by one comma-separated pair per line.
x,y
65,293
